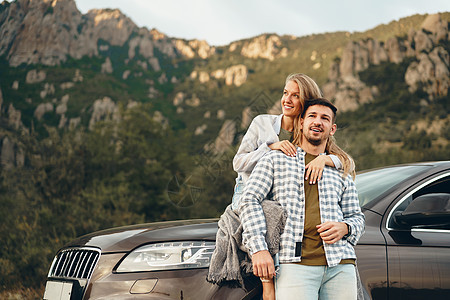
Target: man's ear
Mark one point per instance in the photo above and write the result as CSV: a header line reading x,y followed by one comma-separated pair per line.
x,y
333,129
301,123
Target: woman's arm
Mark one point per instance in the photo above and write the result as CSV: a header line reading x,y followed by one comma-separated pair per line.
x,y
248,155
252,147
314,169
245,160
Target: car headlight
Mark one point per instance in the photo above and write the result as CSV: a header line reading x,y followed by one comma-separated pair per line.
x,y
168,256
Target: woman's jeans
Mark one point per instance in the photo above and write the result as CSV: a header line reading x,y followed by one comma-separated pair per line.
x,y
238,189
296,281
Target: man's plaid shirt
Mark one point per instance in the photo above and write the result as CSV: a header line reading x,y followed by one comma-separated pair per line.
x,y
279,177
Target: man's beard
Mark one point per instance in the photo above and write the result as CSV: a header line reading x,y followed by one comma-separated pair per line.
x,y
315,142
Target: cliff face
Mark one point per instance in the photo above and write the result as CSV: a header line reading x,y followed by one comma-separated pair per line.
x,y
430,68
48,31
43,32
115,64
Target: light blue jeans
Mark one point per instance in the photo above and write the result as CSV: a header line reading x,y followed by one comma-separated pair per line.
x,y
316,282
238,189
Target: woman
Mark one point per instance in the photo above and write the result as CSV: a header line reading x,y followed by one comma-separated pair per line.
x,y
270,132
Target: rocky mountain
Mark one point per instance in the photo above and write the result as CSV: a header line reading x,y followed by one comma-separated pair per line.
x,y
47,32
429,67
69,70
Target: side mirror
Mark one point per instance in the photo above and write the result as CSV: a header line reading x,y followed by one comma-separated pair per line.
x,y
426,210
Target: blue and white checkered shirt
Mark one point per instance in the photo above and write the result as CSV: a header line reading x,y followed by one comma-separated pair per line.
x,y
279,177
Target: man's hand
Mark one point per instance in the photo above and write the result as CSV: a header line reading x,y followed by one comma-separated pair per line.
x,y
331,232
263,264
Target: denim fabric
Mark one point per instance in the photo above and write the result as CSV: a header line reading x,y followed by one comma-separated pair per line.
x,y
238,189
296,281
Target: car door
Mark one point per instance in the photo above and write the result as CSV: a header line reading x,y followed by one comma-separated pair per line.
x,y
419,256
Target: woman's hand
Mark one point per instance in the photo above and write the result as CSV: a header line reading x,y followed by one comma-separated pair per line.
x,y
285,146
314,169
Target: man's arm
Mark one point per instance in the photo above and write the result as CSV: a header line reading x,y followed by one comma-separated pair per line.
x,y
351,210
252,217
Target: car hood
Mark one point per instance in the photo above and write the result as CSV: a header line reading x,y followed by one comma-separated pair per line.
x,y
126,238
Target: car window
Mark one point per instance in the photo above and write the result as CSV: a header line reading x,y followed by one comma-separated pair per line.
x,y
440,186
373,184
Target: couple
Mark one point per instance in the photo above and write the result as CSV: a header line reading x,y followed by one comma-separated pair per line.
x,y
323,218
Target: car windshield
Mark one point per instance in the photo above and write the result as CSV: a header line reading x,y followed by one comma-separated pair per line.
x,y
374,183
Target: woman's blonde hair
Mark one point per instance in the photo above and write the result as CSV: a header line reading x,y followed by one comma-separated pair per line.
x,y
347,161
310,90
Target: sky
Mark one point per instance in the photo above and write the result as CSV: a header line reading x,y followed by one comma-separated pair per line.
x,y
221,22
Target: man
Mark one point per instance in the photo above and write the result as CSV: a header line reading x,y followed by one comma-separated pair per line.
x,y
324,220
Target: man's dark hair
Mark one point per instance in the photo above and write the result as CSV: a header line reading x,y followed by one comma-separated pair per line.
x,y
319,101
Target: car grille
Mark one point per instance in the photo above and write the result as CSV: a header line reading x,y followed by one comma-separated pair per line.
x,y
76,263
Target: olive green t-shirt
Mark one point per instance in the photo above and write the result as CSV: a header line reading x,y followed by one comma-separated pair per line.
x,y
285,135
313,253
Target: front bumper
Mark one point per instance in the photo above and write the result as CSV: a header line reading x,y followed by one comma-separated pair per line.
x,y
164,285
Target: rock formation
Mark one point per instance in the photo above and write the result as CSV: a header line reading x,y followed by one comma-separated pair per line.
x,y
200,129
41,109
179,98
7,158
431,68
49,31
14,117
35,76
25,41
194,101
195,47
431,71
268,47
234,75
103,109
107,66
